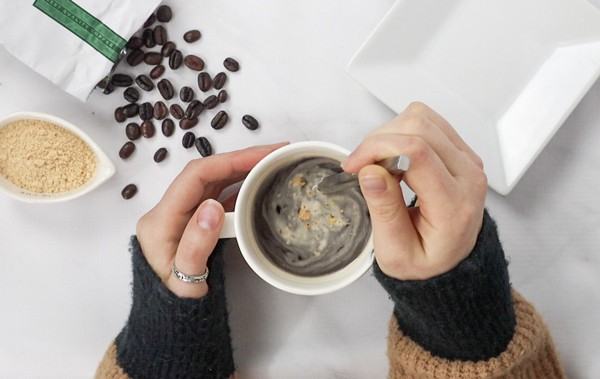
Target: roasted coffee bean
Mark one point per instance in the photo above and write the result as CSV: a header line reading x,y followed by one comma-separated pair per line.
x,y
203,146
160,35
193,62
160,110
250,122
147,129
204,81
102,84
166,89
194,108
211,102
120,115
167,127
231,64
168,49
110,87
151,20
188,123
219,80
175,59
192,36
164,13
126,150
157,71
148,37
153,58
160,155
135,43
121,80
220,119
135,57
129,191
186,94
131,94
146,111
144,82
188,140
222,96
131,110
132,131
176,111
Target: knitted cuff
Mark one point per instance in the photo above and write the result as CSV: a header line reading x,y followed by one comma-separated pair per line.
x,y
465,314
171,337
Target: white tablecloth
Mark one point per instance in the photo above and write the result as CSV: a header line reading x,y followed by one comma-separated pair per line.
x,y
65,268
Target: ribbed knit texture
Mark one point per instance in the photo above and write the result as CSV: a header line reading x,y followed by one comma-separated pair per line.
x,y
171,337
465,314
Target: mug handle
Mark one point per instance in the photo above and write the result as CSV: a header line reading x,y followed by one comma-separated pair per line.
x,y
228,229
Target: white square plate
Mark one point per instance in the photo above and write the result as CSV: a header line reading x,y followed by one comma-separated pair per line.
x,y
506,74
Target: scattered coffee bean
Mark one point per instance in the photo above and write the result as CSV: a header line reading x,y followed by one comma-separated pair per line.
x,y
219,80
250,122
193,62
164,13
166,89
151,20
146,111
129,191
186,94
188,123
132,131
144,82
211,102
110,87
135,57
160,35
167,127
231,64
194,108
188,140
147,129
203,146
121,80
160,155
157,71
204,81
168,49
160,110
192,36
148,37
131,94
135,43
153,58
222,96
176,111
126,150
175,59
120,115
220,119
131,110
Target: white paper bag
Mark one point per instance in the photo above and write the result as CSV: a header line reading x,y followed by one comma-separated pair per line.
x,y
72,43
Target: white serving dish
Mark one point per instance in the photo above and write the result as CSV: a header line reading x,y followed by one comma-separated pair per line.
x,y
104,166
506,74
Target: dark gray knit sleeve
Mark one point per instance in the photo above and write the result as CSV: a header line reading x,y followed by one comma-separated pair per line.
x,y
465,314
171,337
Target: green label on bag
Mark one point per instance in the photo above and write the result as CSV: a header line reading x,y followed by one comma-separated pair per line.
x,y
84,25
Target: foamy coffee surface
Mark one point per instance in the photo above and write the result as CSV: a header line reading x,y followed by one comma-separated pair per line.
x,y
304,231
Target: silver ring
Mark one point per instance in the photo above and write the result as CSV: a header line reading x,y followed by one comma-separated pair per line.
x,y
190,278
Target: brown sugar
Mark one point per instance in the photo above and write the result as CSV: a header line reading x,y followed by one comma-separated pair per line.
x,y
43,157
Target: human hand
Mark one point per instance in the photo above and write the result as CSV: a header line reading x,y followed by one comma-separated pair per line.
x,y
447,176
184,226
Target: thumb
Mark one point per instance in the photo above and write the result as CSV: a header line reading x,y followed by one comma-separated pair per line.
x,y
197,243
392,226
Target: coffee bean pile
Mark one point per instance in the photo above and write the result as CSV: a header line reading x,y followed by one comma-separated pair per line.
x,y
185,106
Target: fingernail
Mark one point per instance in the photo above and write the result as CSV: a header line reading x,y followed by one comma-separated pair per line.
x,y
373,184
210,215
345,161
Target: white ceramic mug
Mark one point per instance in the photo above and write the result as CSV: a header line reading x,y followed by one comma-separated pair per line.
x,y
239,224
